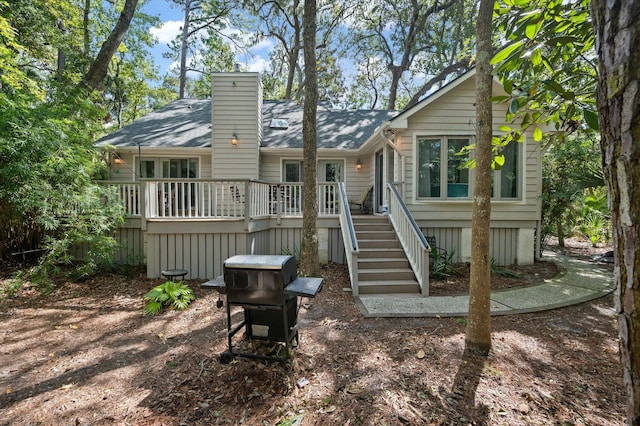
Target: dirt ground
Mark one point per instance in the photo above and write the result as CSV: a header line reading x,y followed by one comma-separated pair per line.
x,y
87,355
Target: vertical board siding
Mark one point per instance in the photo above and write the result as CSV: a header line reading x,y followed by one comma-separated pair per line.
x,y
336,247
447,239
130,252
286,239
504,245
258,242
201,254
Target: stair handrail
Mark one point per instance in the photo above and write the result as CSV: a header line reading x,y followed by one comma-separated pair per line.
x,y
411,237
349,237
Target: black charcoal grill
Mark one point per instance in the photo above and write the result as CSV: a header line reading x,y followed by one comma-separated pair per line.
x,y
267,288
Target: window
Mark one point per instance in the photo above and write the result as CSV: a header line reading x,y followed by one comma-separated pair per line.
x,y
184,168
180,168
175,196
330,171
439,160
506,181
148,168
279,123
292,171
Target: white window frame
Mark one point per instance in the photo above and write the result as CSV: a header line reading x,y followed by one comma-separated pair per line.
x,y
444,168
283,173
322,164
496,174
158,165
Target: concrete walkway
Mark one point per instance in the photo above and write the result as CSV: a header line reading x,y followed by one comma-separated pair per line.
x,y
578,281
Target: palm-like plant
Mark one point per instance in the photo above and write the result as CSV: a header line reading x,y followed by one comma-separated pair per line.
x,y
176,295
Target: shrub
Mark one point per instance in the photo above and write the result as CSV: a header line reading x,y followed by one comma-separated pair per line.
x,y
503,272
176,295
442,266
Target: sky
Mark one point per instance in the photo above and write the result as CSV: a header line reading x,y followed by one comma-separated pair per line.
x,y
172,17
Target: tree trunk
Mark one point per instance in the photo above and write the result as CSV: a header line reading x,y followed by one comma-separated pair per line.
x,y
183,49
478,333
309,263
85,29
396,75
617,30
98,69
294,53
560,231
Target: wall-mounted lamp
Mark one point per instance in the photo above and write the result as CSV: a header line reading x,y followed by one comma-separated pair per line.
x,y
117,159
112,157
234,139
358,164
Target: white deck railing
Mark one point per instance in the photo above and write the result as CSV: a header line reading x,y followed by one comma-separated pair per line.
x,y
220,199
129,193
349,239
413,241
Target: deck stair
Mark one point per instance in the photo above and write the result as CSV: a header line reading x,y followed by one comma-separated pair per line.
x,y
383,267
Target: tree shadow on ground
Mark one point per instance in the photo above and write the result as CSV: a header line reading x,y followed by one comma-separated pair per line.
x,y
465,385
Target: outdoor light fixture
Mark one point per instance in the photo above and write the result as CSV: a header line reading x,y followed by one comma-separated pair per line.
x,y
234,139
117,159
358,165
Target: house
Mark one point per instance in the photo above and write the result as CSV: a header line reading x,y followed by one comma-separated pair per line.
x,y
202,180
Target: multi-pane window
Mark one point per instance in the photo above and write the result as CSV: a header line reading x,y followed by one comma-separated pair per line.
x,y
180,168
330,171
506,180
292,171
443,174
441,168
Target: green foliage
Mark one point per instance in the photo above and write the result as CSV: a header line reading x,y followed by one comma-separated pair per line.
x,y
442,266
570,170
48,200
295,252
176,295
595,227
401,46
594,222
503,272
9,288
547,65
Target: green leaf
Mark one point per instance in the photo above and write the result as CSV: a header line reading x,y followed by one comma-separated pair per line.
x,y
532,29
498,162
591,118
514,107
559,41
537,134
504,128
152,307
536,57
504,53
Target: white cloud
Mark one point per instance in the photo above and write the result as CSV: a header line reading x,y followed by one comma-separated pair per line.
x,y
167,31
258,64
265,44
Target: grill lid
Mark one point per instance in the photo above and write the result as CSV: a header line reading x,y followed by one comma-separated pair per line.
x,y
256,261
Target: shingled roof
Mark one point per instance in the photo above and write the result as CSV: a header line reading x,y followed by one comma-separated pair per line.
x,y
338,129
187,123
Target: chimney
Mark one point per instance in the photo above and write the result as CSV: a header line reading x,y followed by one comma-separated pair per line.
x,y
236,129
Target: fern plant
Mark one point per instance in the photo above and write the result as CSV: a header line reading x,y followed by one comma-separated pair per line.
x,y
176,295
